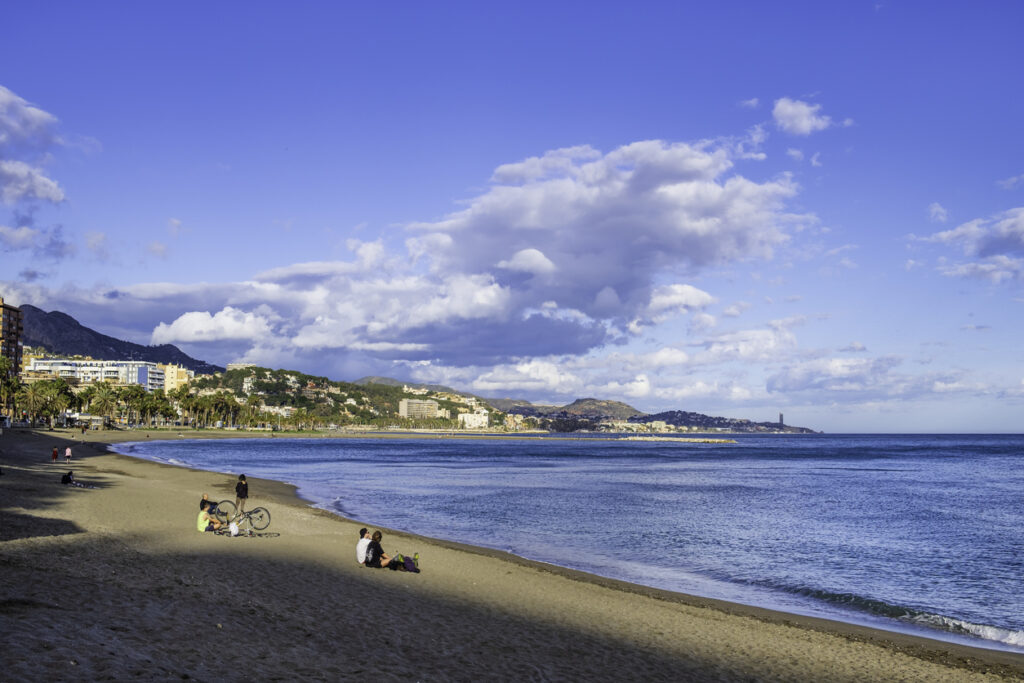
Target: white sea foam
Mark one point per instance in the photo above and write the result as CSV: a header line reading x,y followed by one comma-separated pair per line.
x,y
993,633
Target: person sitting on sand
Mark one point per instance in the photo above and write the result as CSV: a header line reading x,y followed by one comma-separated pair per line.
x,y
378,559
375,555
206,499
69,480
205,522
364,541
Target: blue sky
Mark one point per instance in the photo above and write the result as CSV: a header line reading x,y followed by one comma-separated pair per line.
x,y
732,208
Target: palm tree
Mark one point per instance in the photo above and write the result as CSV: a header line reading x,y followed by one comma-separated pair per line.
x,y
132,397
8,383
104,399
32,397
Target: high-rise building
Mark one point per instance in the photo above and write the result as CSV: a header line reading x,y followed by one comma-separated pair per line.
x,y
176,375
11,329
417,409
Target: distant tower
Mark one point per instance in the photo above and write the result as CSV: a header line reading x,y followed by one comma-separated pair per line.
x,y
781,423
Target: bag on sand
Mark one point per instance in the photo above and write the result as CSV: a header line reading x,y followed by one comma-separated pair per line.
x,y
410,565
233,527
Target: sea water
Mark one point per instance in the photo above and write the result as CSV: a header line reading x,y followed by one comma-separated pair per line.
x,y
919,534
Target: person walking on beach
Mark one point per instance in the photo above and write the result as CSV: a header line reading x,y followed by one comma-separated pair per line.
x,y
241,493
67,454
54,454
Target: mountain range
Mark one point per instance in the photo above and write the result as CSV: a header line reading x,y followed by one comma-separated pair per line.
x,y
61,334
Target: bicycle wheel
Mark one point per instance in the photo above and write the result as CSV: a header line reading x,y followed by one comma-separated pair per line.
x,y
259,518
225,511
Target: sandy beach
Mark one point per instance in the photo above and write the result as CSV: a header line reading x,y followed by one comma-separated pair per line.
x,y
115,583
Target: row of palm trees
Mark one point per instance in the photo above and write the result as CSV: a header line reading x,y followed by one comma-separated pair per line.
x,y
48,400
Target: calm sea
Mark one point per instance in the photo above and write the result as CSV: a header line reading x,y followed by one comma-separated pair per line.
x,y
920,534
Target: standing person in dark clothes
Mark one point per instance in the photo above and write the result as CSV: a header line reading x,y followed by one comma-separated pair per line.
x,y
241,493
54,455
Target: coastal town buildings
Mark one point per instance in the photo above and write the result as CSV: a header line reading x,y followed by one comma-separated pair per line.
x,y
11,330
148,375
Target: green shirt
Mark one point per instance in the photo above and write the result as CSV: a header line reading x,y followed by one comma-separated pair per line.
x,y
203,521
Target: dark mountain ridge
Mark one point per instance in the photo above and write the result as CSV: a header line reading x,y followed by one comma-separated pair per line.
x,y
61,334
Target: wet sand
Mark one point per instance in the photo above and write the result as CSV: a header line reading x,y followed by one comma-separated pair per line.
x,y
115,583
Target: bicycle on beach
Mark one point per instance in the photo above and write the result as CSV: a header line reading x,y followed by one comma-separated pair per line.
x,y
257,518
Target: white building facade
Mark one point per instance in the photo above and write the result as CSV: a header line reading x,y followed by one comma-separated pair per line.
x,y
474,420
149,376
417,409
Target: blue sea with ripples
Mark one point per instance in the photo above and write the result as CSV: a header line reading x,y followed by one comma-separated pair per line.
x,y
915,533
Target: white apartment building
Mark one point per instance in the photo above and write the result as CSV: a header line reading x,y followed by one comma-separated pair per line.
x,y
474,420
417,409
148,375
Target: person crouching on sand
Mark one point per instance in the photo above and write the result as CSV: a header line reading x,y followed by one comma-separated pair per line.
x,y
205,522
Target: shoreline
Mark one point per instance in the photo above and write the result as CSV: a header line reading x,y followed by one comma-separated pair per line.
x,y
654,625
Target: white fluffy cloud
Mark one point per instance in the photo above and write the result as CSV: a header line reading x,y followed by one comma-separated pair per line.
x,y
670,300
997,244
20,181
600,227
767,344
852,380
18,238
24,126
798,117
937,212
529,261
27,133
530,377
201,326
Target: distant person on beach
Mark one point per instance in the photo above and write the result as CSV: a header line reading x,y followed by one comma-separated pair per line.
x,y
241,493
206,500
69,480
67,454
54,454
375,555
378,559
205,522
364,541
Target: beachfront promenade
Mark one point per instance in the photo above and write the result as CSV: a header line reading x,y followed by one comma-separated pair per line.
x,y
115,583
